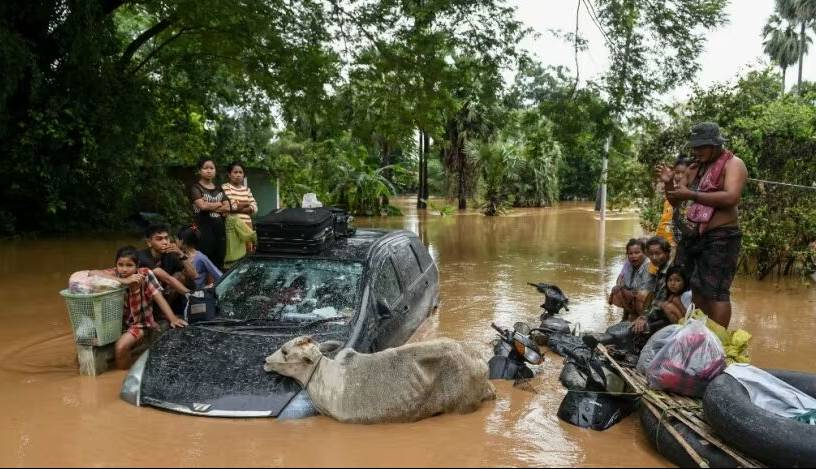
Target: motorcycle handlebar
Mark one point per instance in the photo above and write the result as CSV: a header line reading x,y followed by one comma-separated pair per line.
x,y
494,326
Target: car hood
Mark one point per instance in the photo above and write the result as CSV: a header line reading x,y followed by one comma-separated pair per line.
x,y
218,372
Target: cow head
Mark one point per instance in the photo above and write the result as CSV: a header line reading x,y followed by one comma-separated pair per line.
x,y
296,358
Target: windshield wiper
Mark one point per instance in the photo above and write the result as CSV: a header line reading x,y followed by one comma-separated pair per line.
x,y
230,321
288,325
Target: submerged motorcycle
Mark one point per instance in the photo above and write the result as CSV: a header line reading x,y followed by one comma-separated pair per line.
x,y
594,396
512,351
554,301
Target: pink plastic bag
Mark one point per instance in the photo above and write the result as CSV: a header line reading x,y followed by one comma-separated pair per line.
x,y
691,358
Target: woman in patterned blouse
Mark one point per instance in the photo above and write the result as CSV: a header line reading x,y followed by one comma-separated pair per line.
x,y
210,206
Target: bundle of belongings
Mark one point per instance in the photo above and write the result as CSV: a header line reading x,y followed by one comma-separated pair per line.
x,y
768,392
83,282
86,283
735,343
683,358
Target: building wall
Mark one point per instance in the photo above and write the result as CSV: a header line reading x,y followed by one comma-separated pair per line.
x,y
264,188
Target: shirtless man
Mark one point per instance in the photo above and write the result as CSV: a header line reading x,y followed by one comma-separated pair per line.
x,y
716,180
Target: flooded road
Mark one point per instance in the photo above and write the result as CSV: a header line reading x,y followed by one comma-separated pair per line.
x,y
53,416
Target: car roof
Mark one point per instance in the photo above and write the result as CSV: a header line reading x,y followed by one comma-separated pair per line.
x,y
353,248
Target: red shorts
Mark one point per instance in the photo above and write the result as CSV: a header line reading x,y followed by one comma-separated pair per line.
x,y
136,332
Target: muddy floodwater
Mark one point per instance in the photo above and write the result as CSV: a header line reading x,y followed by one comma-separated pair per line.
x,y
52,416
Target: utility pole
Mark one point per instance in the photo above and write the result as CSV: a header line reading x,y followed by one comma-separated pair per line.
x,y
604,172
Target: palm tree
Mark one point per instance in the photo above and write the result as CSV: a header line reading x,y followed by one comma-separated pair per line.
x,y
782,44
802,12
496,162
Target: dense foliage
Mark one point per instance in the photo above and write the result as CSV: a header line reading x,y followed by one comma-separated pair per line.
x,y
102,101
774,135
101,97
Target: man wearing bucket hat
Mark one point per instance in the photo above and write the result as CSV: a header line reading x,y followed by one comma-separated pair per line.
x,y
711,251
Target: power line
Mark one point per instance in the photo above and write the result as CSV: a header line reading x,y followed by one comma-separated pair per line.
x,y
776,183
594,17
575,38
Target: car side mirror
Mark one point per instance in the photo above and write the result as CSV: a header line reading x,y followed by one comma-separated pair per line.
x,y
383,310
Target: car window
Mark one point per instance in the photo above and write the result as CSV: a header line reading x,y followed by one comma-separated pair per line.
x,y
422,253
387,286
407,263
290,289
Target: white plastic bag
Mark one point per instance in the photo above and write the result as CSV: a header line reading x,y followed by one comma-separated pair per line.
x,y
656,342
310,201
84,282
690,359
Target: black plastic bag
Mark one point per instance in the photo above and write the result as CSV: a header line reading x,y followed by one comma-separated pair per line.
x,y
583,374
568,346
598,411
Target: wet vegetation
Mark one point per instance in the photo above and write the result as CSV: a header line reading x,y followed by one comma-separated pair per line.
x,y
360,101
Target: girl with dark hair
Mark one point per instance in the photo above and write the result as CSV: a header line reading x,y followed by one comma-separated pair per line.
x,y
206,272
678,297
210,206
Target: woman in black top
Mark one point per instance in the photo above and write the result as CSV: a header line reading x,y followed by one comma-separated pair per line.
x,y
210,206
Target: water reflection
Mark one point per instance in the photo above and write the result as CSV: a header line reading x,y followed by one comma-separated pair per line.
x,y
52,416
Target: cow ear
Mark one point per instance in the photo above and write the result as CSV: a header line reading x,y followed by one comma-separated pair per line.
x,y
329,346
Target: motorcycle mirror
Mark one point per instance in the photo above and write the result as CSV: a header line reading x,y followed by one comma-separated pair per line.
x,y
522,328
532,356
528,353
521,349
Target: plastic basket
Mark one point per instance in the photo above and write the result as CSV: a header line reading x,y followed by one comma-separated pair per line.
x,y
96,318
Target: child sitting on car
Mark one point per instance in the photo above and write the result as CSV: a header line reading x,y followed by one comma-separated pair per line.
x,y
143,289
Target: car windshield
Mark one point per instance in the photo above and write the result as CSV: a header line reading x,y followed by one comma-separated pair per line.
x,y
290,290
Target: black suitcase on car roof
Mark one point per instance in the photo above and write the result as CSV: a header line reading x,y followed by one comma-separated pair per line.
x,y
296,230
342,222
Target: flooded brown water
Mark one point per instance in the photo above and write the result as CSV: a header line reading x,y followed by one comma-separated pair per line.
x,y
52,416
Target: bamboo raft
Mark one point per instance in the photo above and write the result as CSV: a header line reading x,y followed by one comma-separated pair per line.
x,y
687,410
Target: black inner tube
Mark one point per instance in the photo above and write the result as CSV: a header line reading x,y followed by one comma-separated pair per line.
x,y
763,435
665,443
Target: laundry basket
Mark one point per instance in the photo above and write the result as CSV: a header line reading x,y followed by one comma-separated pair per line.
x,y
96,318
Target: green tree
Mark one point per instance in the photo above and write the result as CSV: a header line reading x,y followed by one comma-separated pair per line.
x,y
100,96
802,12
653,46
536,179
771,133
781,44
579,120
496,163
341,171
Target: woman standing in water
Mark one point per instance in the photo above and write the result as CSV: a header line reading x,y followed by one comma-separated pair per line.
x,y
210,205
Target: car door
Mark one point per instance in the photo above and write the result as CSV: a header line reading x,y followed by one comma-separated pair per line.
x,y
414,310
387,306
430,276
